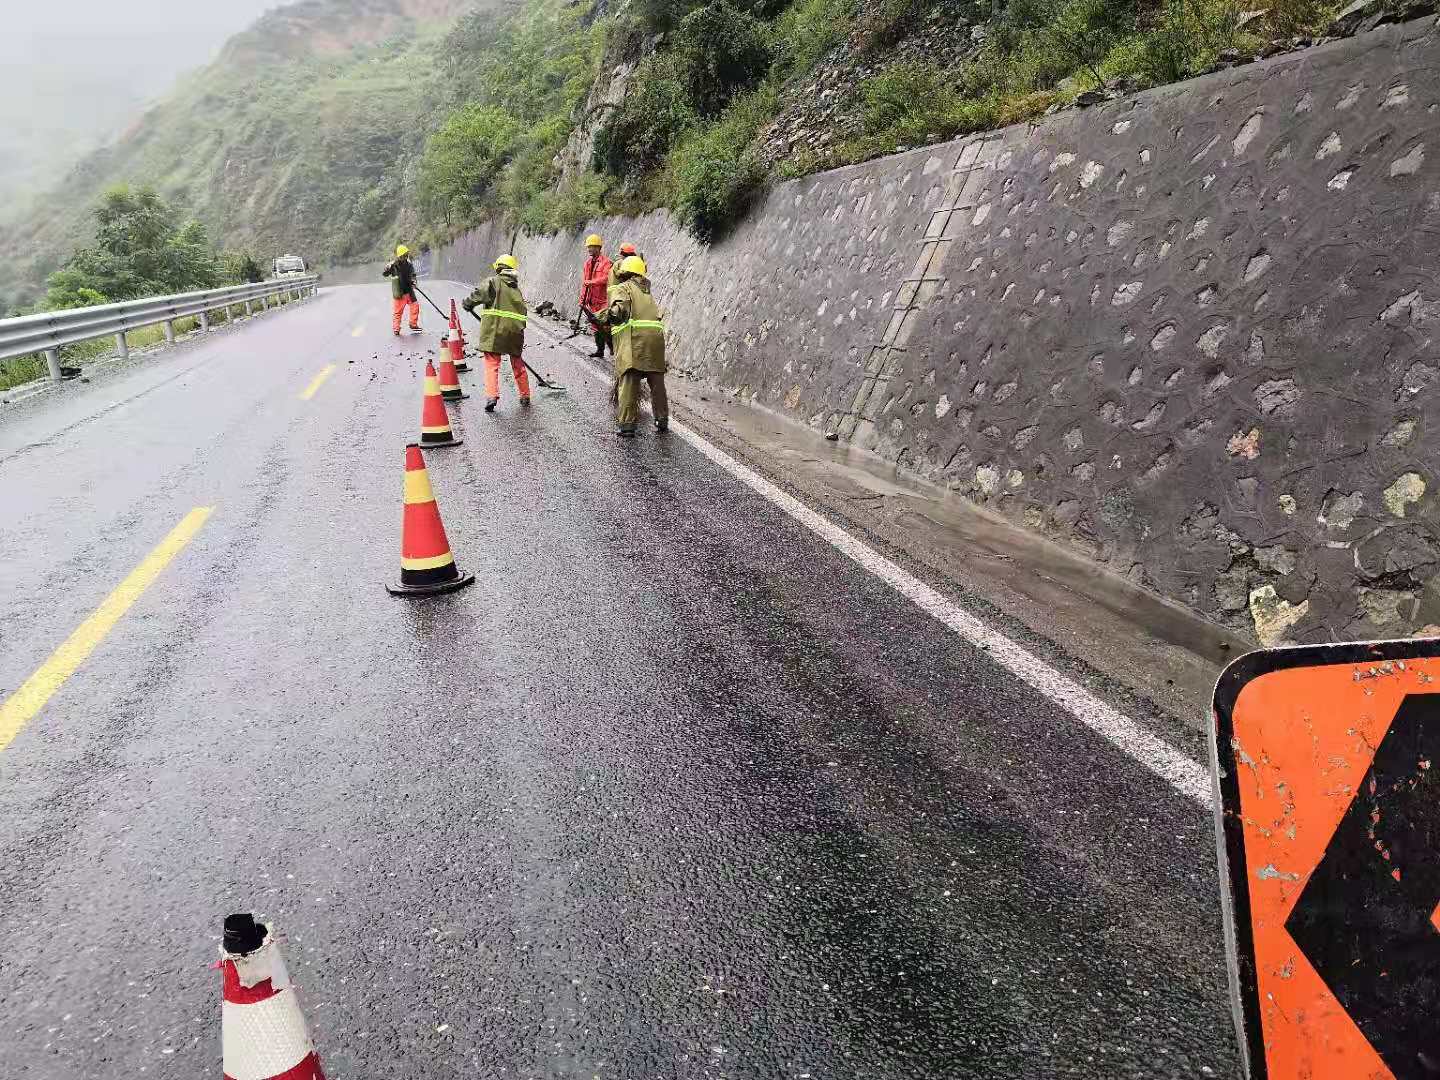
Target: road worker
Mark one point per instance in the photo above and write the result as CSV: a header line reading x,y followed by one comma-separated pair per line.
x,y
594,279
639,348
502,328
626,250
402,288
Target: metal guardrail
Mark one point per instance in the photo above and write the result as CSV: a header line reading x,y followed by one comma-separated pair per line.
x,y
49,331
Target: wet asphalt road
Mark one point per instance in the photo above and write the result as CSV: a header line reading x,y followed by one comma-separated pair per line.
x,y
675,790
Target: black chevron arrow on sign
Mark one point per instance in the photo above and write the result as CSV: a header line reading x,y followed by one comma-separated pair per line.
x,y
1366,919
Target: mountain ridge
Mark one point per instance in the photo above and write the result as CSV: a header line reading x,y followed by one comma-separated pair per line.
x,y
298,136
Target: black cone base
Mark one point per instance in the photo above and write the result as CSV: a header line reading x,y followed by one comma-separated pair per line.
x,y
452,441
430,590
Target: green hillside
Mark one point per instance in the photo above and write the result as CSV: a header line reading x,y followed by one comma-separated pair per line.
x,y
301,136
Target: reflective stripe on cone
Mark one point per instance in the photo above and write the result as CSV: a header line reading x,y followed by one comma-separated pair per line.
x,y
262,1031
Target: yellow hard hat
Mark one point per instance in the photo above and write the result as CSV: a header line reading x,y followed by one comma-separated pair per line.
x,y
507,261
633,264
593,240
401,251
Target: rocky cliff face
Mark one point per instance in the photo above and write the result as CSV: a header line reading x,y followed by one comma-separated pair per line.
x,y
1194,333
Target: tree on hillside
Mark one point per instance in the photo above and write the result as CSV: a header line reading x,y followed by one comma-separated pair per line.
x,y
140,250
70,289
464,157
240,268
720,50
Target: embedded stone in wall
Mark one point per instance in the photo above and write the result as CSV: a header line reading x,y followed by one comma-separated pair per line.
x,y
1274,616
1409,488
1244,444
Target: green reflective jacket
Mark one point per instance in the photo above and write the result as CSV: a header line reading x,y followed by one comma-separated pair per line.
x,y
636,332
502,313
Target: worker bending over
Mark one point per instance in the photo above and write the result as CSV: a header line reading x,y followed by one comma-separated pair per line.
x,y
594,277
402,288
502,328
639,338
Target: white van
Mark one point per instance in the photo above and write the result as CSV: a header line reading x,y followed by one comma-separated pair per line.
x,y
289,266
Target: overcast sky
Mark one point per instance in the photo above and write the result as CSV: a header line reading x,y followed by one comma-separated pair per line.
x,y
203,24
75,71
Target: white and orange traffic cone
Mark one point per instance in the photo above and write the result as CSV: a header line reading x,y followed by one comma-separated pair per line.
x,y
262,1031
457,332
450,388
456,348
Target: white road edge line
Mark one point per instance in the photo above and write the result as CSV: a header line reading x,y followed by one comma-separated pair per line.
x,y
1181,771
1185,774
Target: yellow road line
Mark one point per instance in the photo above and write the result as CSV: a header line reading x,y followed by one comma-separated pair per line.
x,y
22,706
317,382
357,331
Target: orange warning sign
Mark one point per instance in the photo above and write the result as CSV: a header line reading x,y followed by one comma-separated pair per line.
x,y
1327,760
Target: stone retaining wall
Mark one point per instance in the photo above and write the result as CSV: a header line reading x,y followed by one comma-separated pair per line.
x,y
1193,332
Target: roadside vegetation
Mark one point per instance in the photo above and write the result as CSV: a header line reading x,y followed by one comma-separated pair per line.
x,y
142,247
711,77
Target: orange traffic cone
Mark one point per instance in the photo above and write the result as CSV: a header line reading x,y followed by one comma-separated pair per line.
x,y
455,323
449,379
457,340
434,420
426,564
262,1031
457,351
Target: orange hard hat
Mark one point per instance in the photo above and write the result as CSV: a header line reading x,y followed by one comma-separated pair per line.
x,y
627,249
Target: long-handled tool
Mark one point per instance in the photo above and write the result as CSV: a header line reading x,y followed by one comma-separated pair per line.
x,y
433,304
575,330
544,382
541,378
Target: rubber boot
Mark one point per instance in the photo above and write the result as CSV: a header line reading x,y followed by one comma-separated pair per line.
x,y
625,432
490,404
662,424
524,402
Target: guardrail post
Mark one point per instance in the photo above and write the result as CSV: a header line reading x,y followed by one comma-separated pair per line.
x,y
52,358
170,331
204,322
247,309
122,346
